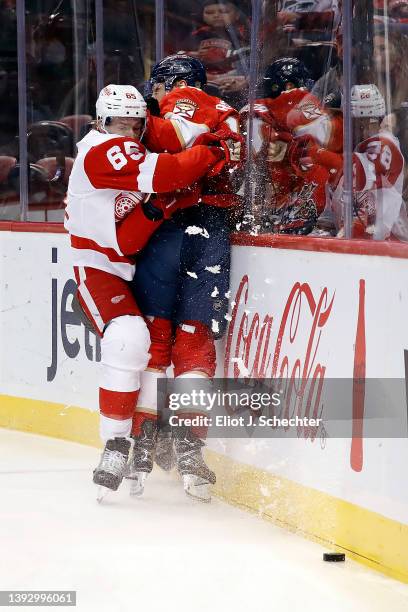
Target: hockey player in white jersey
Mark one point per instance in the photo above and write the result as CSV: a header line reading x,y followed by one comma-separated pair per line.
x,y
378,166
110,217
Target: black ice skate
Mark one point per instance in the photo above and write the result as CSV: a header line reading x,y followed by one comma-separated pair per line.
x,y
195,473
164,455
112,466
141,463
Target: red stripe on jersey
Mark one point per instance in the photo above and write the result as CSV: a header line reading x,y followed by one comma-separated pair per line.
x,y
85,243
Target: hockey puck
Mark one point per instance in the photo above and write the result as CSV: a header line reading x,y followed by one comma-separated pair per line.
x,y
334,557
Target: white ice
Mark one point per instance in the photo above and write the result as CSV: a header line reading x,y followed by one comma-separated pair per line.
x,y
163,552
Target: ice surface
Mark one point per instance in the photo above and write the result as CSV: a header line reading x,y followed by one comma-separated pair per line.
x,y
163,552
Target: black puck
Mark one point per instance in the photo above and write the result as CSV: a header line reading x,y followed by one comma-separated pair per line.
x,y
334,557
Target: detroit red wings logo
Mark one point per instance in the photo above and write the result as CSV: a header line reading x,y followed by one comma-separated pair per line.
x,y
125,202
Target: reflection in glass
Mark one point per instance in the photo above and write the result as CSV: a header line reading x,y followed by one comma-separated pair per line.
x,y
9,151
290,122
217,33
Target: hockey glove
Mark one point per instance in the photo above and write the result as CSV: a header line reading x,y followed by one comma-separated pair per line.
x,y
301,153
277,143
231,144
163,206
159,207
153,106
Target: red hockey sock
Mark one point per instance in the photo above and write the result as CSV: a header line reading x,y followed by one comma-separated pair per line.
x,y
200,431
194,349
138,419
117,404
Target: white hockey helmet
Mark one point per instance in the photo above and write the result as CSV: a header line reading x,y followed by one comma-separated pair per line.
x,y
367,101
120,101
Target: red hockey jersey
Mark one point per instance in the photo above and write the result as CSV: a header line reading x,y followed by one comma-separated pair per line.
x,y
192,112
299,112
293,188
109,178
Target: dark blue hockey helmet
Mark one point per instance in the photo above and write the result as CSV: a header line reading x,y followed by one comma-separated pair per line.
x,y
283,71
176,67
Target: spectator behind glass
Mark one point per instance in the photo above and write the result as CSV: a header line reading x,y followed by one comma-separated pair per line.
x,y
222,44
8,77
312,20
118,68
397,48
50,73
328,88
398,10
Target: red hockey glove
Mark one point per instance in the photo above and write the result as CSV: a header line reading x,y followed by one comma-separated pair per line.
x,y
301,153
163,206
231,144
159,207
215,138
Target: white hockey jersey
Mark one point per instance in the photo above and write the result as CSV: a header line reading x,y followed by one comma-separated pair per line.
x,y
378,166
90,212
110,176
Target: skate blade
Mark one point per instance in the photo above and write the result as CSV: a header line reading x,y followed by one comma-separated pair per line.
x,y
137,484
101,493
197,488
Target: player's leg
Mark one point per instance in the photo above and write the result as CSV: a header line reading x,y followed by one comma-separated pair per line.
x,y
194,366
112,310
155,287
201,317
150,443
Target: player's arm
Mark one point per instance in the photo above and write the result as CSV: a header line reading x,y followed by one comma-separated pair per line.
x,y
163,135
179,171
173,134
134,232
332,161
309,118
124,163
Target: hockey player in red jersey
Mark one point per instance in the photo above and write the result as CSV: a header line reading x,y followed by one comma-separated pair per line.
x,y
293,189
182,277
110,217
378,167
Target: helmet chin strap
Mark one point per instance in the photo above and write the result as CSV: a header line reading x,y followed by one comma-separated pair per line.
x,y
100,124
144,128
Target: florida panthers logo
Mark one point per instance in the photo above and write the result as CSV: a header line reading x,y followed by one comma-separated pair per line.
x,y
310,111
185,108
125,202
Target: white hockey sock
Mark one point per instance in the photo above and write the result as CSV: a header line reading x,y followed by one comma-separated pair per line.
x,y
147,400
114,428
